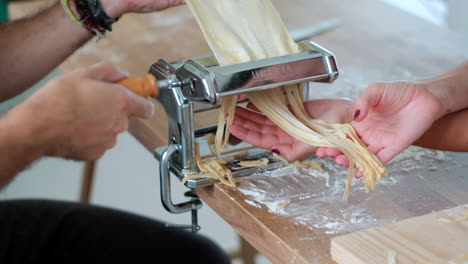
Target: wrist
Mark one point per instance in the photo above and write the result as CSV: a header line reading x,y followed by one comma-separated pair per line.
x,y
113,8
18,145
18,130
450,89
436,89
97,16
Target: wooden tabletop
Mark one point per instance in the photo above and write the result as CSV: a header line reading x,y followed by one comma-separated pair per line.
x,y
290,215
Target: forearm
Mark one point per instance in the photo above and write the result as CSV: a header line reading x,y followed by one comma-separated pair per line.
x,y
451,89
32,47
448,133
18,146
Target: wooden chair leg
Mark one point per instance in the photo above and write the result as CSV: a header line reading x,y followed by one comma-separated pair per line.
x,y
87,181
246,252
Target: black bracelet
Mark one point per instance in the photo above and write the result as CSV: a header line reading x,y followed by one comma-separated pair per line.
x,y
93,16
102,19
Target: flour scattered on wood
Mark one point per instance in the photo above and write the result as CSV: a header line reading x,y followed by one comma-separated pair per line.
x,y
314,198
418,158
253,203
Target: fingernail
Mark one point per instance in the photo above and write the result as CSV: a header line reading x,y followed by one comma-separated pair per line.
x,y
126,73
123,72
357,113
276,151
151,110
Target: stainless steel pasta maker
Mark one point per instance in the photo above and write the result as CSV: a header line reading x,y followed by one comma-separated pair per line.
x,y
197,85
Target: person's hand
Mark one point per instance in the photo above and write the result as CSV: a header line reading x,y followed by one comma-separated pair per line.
x,y
79,115
257,129
389,117
116,8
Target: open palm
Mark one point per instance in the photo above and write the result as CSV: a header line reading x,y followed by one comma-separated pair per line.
x,y
390,117
255,128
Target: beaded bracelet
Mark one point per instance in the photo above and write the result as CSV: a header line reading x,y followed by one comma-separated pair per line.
x,y
70,13
102,18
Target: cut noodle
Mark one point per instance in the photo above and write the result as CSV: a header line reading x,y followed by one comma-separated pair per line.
x,y
254,163
222,134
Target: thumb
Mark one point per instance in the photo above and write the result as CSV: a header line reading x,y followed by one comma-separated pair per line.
x,y
105,72
388,153
138,105
293,154
367,100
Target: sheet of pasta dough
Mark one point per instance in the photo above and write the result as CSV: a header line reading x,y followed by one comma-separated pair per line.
x,y
258,33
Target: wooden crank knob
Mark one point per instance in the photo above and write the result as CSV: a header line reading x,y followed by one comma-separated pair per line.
x,y
146,87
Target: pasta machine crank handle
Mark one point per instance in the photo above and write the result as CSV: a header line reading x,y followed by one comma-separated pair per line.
x,y
147,87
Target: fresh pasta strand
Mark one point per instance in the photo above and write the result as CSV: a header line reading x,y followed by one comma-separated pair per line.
x,y
222,133
209,168
244,30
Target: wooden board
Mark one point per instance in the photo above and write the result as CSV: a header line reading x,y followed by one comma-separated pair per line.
x,y
438,237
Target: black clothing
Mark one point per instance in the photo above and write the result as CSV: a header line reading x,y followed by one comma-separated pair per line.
x,y
42,231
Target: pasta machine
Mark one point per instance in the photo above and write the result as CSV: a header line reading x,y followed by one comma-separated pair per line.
x,y
197,85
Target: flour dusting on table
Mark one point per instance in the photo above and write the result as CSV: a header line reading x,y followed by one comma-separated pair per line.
x,y
314,199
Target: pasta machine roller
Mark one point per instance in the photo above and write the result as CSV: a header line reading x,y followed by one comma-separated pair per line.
x,y
197,85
